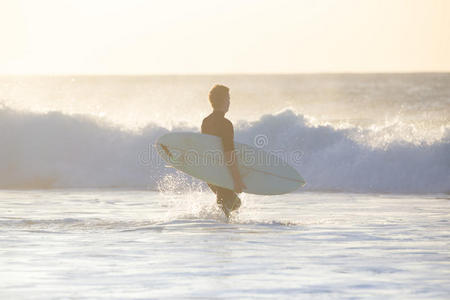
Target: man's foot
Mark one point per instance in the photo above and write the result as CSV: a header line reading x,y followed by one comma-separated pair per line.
x,y
229,206
226,211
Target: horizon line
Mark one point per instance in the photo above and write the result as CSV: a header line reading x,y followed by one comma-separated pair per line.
x,y
226,73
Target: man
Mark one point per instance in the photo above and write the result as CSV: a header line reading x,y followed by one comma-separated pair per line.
x,y
216,124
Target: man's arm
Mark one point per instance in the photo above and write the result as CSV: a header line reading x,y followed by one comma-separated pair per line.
x,y
230,159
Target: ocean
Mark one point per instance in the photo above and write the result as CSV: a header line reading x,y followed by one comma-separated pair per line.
x,y
88,209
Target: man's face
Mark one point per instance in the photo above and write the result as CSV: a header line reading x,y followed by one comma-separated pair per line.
x,y
224,105
227,103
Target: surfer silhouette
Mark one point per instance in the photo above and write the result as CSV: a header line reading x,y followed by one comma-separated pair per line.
x,y
216,124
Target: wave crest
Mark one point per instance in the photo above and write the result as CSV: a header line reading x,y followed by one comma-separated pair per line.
x,y
54,150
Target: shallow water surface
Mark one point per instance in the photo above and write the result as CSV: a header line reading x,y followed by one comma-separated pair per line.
x,y
129,244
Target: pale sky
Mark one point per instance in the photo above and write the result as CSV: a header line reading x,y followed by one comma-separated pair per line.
x,y
231,36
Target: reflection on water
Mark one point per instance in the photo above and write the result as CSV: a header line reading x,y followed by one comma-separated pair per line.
x,y
131,244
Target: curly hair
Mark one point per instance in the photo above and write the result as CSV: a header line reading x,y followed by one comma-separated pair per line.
x,y
218,94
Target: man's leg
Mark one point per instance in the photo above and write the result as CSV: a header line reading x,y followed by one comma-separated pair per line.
x,y
230,199
226,198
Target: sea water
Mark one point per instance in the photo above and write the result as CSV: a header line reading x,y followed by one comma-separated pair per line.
x,y
89,210
128,244
359,133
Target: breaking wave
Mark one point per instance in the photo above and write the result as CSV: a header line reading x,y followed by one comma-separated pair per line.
x,y
54,150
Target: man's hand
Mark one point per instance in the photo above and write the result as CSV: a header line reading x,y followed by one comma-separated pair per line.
x,y
237,180
239,185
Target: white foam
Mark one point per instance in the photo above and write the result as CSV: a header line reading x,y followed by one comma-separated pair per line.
x,y
54,150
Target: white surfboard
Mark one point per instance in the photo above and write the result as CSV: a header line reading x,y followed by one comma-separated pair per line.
x,y
201,156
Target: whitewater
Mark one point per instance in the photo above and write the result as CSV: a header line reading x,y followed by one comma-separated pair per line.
x,y
54,150
88,210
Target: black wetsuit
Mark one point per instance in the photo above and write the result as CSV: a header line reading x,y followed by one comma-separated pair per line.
x,y
216,124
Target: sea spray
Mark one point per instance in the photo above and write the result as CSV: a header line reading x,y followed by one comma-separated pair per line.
x,y
55,150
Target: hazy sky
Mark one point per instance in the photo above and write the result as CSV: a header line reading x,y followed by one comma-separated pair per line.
x,y
211,36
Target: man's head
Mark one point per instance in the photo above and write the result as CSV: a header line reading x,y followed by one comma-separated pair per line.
x,y
219,97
